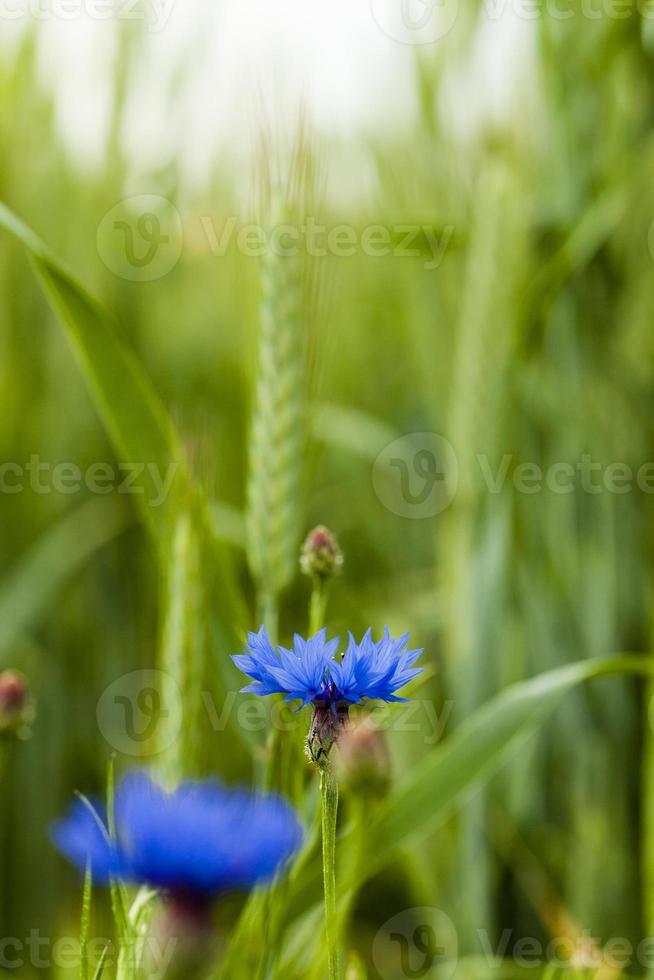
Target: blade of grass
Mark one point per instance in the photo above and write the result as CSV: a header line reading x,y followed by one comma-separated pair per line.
x,y
119,900
86,924
101,962
127,403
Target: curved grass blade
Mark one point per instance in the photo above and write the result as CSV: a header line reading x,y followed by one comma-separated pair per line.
x,y
127,402
465,760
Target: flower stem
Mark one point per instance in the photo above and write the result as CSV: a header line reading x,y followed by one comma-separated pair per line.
x,y
268,614
329,798
318,605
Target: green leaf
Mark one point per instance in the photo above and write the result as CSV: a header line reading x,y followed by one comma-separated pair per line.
x,y
33,585
471,755
126,400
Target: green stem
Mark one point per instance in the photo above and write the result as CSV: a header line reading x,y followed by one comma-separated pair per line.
x,y
269,614
318,605
329,798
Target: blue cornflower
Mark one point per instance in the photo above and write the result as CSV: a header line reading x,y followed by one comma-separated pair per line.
x,y
311,674
202,839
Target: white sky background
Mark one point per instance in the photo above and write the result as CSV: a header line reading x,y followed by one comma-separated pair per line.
x,y
247,60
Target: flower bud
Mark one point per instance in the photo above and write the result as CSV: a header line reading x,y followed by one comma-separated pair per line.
x,y
16,708
321,555
327,725
362,760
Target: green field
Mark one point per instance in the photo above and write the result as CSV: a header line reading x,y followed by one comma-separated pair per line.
x,y
452,369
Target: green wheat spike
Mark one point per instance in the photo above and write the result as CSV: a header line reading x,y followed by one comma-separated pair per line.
x,y
273,512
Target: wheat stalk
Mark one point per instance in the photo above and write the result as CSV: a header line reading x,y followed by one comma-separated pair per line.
x,y
274,489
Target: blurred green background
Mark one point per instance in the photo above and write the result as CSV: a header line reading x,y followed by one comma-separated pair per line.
x,y
532,339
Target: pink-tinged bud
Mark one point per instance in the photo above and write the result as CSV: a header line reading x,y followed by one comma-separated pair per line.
x,y
16,708
362,760
321,555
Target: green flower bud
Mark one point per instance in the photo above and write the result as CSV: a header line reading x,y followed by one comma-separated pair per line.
x,y
362,760
321,555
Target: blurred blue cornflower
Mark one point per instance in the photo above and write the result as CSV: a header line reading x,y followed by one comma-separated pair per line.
x,y
311,674
202,839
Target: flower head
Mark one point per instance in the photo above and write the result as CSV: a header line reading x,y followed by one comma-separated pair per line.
x,y
310,672
201,839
